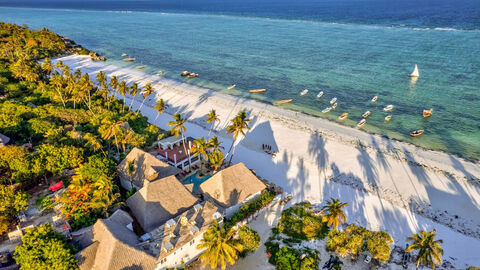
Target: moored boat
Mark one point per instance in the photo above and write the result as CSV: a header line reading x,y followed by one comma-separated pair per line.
x,y
326,110
262,90
140,67
389,108
333,100
361,123
374,99
129,59
388,118
185,73
124,54
319,95
283,101
415,72
160,73
366,114
343,116
416,133
304,92
192,75
334,105
427,113
231,86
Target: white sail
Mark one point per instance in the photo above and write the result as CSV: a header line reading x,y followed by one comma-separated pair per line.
x,y
415,72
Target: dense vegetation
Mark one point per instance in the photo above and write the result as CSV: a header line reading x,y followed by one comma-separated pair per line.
x,y
300,223
250,208
62,126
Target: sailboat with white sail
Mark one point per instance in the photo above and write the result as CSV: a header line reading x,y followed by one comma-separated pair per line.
x,y
415,73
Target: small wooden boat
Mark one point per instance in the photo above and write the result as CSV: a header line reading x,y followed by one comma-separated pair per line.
x,y
415,73
333,100
304,92
343,116
320,95
427,113
192,75
389,108
129,59
253,91
231,86
326,110
374,99
140,67
281,102
366,114
388,118
334,105
185,73
416,133
361,123
124,54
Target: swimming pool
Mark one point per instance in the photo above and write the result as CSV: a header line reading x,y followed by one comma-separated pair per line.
x,y
193,179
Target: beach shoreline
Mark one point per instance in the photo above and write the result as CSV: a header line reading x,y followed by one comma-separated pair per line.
x,y
391,185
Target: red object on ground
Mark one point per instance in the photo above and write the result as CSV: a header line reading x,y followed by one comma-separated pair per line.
x,y
56,186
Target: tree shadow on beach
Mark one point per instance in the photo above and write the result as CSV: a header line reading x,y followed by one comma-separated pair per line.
x,y
316,148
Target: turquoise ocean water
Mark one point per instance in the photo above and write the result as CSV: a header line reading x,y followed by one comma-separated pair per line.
x,y
350,61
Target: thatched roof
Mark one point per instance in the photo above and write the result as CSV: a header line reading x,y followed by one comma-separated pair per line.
x,y
232,185
114,248
160,201
147,167
167,239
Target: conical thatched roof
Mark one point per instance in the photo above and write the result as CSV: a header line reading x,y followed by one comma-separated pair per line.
x,y
232,185
147,167
114,248
160,201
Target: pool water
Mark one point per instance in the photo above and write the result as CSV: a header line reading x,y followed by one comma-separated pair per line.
x,y
193,179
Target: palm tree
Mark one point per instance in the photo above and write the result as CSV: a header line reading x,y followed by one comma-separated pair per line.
x,y
215,144
57,81
215,159
212,117
123,89
133,92
114,83
333,213
200,147
147,91
109,129
101,79
47,66
103,194
429,250
237,126
178,128
220,247
161,107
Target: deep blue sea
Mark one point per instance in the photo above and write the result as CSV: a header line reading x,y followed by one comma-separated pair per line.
x,y
349,49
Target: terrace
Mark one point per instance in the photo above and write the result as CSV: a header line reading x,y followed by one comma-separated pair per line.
x,y
172,151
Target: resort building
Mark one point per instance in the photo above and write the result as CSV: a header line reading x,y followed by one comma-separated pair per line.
x,y
140,167
160,200
113,246
232,187
172,151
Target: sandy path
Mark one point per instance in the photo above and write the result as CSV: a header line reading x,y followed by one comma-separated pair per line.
x,y
390,185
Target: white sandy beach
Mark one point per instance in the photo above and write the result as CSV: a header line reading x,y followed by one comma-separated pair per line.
x,y
390,185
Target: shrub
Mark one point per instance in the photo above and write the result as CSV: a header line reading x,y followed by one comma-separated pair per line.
x,y
250,208
44,202
299,222
4,224
249,239
286,258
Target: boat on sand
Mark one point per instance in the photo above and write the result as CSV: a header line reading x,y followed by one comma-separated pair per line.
x,y
129,59
427,113
283,101
361,123
415,73
417,133
319,95
140,67
366,114
343,116
304,92
262,90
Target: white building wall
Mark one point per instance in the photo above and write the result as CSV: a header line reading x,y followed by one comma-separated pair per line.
x,y
233,209
186,254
